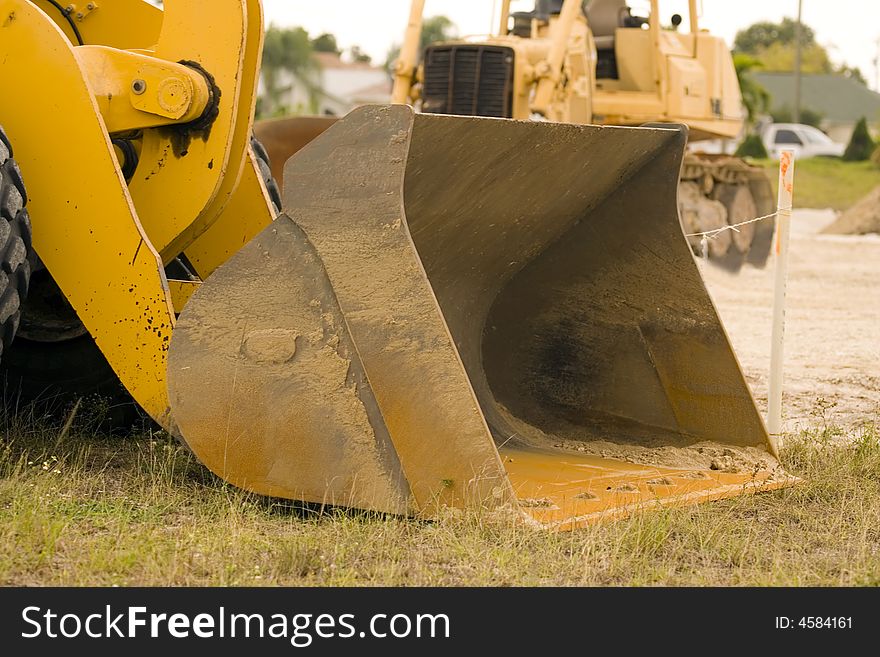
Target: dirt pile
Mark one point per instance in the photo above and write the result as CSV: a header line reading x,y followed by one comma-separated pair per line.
x,y
861,219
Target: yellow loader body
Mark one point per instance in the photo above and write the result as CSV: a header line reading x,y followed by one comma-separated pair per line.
x,y
449,311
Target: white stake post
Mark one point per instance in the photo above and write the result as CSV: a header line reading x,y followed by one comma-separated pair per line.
x,y
783,232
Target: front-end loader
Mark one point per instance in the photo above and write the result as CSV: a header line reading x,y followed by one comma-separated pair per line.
x,y
448,310
595,61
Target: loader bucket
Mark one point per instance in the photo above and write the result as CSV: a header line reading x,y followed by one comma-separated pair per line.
x,y
282,138
470,312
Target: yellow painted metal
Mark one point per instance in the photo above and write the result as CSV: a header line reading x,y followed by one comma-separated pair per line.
x,y
245,106
408,59
136,91
663,76
694,16
570,490
214,34
128,24
248,212
373,345
503,17
85,227
181,291
550,71
283,138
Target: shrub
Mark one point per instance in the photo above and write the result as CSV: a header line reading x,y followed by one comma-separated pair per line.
x,y
860,144
752,146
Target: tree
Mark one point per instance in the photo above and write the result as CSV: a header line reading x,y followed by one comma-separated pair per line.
x,y
326,43
860,146
437,28
358,55
434,29
755,97
781,57
773,44
287,50
760,36
853,73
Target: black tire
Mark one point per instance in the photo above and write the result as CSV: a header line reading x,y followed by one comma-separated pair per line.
x,y
15,245
47,378
266,170
50,375
54,363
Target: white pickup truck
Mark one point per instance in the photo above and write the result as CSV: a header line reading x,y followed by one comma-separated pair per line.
x,y
804,140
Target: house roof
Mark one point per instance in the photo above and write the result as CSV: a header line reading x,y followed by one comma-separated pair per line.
x,y
838,98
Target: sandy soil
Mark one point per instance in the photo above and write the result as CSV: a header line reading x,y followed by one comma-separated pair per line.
x,y
832,349
860,219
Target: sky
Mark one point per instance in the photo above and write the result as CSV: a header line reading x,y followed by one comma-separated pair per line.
x,y
849,29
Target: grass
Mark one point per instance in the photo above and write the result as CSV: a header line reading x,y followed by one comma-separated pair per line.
x,y
824,182
87,510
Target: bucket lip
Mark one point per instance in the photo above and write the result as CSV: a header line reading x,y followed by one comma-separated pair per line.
x,y
700,497
560,490
671,128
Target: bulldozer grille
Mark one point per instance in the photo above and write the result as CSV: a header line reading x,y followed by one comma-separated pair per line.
x,y
469,80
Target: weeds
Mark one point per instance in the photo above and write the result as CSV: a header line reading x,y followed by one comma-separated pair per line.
x,y
81,509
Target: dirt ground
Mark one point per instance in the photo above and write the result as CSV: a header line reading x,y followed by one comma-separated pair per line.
x,y
861,219
832,349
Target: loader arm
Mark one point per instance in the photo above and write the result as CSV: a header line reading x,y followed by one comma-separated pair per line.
x,y
186,89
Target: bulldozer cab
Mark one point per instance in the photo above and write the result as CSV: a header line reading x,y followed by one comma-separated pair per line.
x,y
604,61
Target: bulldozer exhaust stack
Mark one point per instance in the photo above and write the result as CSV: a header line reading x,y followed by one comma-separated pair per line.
x,y
464,311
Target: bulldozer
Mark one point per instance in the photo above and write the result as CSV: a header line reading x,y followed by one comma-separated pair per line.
x,y
596,61
446,311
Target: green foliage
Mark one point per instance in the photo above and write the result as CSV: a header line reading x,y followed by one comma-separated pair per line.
x,y
287,50
326,43
773,45
875,157
765,34
860,146
853,73
808,116
437,28
781,57
752,146
358,55
755,97
827,182
434,29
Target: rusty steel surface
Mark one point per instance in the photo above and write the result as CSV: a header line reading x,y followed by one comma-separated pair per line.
x,y
439,286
